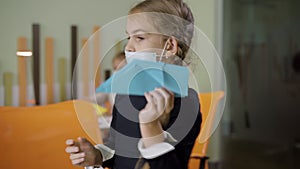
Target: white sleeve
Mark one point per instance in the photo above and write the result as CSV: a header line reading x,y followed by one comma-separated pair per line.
x,y
92,167
107,153
158,149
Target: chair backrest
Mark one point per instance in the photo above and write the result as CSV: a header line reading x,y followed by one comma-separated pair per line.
x,y
209,103
34,137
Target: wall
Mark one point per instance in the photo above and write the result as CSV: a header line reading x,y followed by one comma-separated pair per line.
x,y
55,18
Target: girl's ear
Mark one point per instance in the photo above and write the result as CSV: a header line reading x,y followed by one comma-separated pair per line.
x,y
172,45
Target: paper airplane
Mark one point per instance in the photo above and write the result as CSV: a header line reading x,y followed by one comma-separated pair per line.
x,y
141,76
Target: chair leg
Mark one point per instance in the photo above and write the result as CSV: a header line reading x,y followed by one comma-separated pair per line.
x,y
202,162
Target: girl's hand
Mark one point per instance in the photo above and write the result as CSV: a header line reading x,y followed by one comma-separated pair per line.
x,y
160,103
83,153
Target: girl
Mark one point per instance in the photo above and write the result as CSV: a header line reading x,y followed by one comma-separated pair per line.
x,y
157,128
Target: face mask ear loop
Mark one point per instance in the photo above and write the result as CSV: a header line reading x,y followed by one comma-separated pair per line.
x,y
162,53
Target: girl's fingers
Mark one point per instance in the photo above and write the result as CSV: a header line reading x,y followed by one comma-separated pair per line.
x,y
77,156
70,142
148,98
168,91
159,100
168,98
77,161
172,98
72,149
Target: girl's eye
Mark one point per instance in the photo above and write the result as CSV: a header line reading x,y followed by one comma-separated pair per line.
x,y
139,38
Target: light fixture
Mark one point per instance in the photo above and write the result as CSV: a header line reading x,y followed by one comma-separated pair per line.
x,y
25,53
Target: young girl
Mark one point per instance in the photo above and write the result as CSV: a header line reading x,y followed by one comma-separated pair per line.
x,y
158,128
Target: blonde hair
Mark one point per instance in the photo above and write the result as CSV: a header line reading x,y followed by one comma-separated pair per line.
x,y
181,26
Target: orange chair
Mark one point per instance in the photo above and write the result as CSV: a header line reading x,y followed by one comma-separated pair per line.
x,y
34,137
209,103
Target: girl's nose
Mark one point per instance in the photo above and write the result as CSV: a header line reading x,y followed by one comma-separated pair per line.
x,y
129,46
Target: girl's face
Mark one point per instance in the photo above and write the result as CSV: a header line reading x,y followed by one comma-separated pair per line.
x,y
143,36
